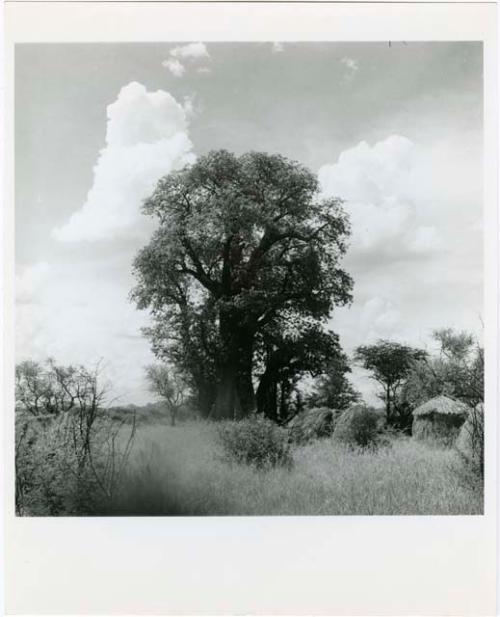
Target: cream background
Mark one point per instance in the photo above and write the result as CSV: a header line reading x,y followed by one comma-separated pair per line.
x,y
327,565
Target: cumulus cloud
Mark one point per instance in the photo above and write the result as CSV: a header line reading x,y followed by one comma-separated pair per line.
x,y
379,319
192,52
78,313
377,184
146,138
174,66
369,318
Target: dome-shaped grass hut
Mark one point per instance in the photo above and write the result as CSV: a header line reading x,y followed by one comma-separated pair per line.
x,y
311,424
439,420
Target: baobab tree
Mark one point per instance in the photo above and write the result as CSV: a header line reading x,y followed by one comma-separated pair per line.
x,y
250,237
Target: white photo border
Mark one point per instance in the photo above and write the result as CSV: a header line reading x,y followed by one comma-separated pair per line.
x,y
338,565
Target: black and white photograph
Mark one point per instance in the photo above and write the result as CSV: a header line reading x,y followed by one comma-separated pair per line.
x,y
250,308
249,278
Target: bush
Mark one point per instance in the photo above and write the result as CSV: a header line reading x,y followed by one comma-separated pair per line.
x,y
255,441
311,424
470,441
62,470
359,427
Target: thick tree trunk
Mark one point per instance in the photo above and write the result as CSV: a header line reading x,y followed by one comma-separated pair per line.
x,y
244,383
235,396
227,404
267,396
206,394
284,399
388,404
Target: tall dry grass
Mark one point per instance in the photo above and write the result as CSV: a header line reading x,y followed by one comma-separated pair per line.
x,y
179,471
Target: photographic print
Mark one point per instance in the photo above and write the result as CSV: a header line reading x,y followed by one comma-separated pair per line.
x,y
249,278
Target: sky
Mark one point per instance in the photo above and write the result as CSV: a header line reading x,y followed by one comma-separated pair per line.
x,y
394,130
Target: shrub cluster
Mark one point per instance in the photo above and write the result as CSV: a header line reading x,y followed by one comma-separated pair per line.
x,y
359,426
255,441
63,470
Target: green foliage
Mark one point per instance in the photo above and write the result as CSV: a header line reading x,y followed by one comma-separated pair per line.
x,y
359,426
255,441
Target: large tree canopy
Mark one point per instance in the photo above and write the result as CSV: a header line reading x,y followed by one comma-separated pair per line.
x,y
248,240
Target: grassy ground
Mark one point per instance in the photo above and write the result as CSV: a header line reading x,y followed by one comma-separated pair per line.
x,y
179,471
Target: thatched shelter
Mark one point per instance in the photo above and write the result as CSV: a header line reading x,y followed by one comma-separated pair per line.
x,y
360,426
311,424
439,420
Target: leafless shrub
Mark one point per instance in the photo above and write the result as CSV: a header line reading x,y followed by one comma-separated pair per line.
x,y
70,460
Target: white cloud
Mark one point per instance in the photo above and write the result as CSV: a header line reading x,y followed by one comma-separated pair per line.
x,y
78,313
379,319
351,67
377,183
29,280
146,138
204,70
191,51
426,239
415,260
174,66
278,47
189,106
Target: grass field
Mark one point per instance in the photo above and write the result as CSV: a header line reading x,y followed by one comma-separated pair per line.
x,y
179,471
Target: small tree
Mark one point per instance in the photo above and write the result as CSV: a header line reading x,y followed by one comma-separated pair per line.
x,y
390,363
456,371
168,385
462,362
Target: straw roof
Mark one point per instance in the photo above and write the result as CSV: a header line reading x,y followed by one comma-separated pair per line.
x,y
442,405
